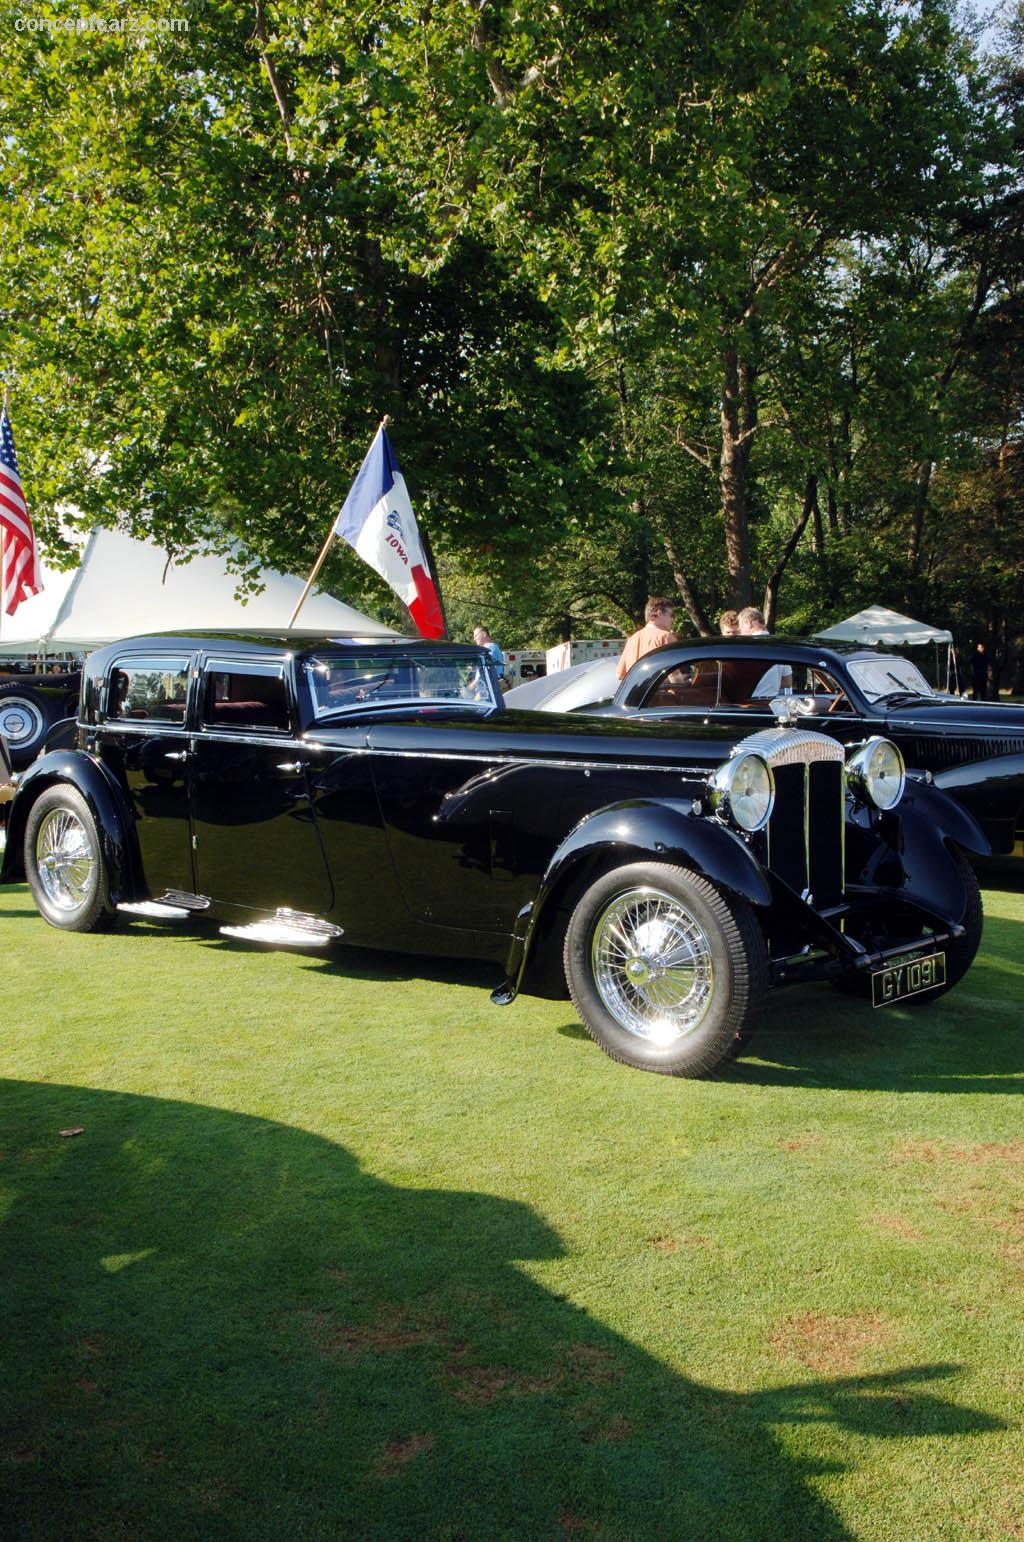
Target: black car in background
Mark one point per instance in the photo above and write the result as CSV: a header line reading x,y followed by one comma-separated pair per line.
x,y
310,789
30,704
974,750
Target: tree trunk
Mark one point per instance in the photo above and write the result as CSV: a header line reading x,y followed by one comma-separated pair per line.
x,y
818,527
771,593
922,485
733,481
693,606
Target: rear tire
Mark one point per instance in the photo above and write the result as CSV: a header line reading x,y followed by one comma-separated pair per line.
x,y
666,972
64,862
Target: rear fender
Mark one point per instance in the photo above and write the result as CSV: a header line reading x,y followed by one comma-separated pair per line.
x,y
107,805
993,791
636,831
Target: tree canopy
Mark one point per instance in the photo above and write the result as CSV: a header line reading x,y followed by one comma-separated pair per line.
x,y
659,297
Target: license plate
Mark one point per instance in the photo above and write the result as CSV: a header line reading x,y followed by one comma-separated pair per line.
x,y
906,978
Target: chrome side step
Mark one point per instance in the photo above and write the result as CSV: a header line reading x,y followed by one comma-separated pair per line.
x,y
286,927
185,900
155,910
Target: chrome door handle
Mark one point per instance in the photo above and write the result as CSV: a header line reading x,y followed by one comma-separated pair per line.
x,y
177,755
290,765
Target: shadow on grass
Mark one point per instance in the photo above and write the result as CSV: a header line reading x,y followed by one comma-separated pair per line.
x,y
220,1326
970,1040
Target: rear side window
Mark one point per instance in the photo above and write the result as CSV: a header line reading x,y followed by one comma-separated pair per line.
x,y
153,690
688,685
243,696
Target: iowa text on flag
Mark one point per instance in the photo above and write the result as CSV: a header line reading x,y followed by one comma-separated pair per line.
x,y
378,521
20,577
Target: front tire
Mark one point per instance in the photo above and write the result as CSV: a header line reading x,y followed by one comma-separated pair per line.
x,y
665,971
64,862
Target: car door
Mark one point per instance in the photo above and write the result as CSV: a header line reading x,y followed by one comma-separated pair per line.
x,y
255,834
141,737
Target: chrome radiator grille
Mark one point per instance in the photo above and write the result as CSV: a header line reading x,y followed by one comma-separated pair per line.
x,y
804,837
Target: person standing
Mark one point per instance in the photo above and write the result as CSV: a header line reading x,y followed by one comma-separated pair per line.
x,y
979,673
779,678
655,633
483,639
729,624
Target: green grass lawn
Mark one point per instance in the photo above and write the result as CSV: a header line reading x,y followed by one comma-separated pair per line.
x,y
344,1250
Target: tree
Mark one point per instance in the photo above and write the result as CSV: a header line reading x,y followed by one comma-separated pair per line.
x,y
208,310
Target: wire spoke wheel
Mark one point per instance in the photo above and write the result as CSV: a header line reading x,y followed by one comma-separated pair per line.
x,y
64,859
665,969
652,965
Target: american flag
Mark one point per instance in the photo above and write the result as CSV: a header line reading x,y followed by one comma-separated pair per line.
x,y
20,576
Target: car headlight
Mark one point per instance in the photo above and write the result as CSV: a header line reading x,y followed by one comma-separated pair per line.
x,y
877,773
743,790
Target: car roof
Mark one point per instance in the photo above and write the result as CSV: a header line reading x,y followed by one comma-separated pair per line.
x,y
257,642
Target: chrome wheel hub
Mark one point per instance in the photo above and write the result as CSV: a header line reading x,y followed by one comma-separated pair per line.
x,y
20,721
64,859
652,966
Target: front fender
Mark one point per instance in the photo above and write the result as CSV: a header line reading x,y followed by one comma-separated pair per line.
x,y
909,850
662,831
107,805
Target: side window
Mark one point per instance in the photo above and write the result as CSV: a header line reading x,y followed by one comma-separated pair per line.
x,y
154,690
237,695
688,685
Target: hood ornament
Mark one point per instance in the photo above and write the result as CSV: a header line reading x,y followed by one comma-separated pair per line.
x,y
789,710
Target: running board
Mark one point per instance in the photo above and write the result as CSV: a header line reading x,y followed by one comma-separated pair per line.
x,y
287,927
155,910
184,900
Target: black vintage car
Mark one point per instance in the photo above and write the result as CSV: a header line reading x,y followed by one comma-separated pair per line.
x,y
306,789
30,704
973,749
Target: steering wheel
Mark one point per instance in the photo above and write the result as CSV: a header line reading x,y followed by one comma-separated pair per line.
x,y
838,702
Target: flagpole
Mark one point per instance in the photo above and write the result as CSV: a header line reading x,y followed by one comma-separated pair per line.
x,y
318,564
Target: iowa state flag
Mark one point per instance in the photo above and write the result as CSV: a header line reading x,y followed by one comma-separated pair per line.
x,y
378,521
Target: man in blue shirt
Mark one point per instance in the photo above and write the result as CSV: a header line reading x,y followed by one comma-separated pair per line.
x,y
483,639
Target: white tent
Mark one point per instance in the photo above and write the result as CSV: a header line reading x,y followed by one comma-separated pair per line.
x,y
877,626
21,632
122,587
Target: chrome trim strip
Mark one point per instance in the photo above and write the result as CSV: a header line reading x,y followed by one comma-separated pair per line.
x,y
168,731
368,749
513,760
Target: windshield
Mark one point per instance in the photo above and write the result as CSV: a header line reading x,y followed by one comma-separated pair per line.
x,y
361,681
889,676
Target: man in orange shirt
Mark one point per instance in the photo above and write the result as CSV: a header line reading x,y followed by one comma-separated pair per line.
x,y
657,632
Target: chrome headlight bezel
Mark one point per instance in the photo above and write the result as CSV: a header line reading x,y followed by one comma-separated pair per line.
x,y
726,796
863,776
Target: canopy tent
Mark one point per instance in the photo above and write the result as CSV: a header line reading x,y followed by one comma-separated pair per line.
x,y
122,587
877,627
21,632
